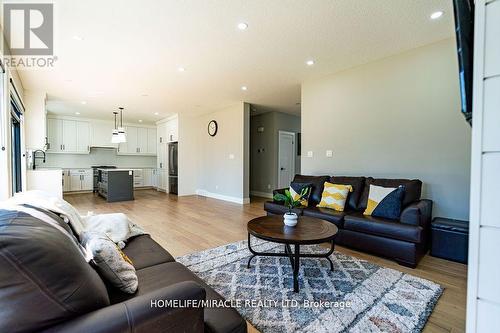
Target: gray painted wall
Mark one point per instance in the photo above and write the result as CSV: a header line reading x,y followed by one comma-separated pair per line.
x,y
398,117
264,164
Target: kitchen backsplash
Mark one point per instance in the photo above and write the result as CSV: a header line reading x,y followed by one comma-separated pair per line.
x,y
97,156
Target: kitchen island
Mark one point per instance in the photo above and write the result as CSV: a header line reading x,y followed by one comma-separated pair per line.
x,y
116,184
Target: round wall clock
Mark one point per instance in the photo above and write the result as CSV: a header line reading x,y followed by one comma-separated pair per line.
x,y
212,128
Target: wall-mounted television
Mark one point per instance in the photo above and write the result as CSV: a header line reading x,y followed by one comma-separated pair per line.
x,y
464,27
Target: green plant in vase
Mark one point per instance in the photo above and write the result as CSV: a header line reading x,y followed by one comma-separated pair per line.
x,y
291,218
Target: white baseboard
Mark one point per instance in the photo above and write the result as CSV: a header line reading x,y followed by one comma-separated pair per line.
x,y
262,194
237,200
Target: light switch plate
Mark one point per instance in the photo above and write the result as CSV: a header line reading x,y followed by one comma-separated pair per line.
x,y
329,153
231,156
310,153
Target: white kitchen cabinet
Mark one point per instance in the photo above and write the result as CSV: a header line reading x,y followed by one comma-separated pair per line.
x,y
161,133
154,178
66,181
147,176
151,146
54,134
140,141
81,180
83,136
75,181
138,178
162,180
132,140
68,136
172,130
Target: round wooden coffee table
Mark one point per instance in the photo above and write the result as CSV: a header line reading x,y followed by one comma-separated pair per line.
x,y
309,230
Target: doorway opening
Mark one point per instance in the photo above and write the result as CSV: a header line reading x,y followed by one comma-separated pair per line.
x,y
274,150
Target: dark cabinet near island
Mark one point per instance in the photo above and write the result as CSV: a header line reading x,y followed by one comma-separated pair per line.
x,y
116,184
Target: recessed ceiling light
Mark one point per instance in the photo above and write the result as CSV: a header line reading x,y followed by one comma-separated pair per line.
x,y
156,113
78,38
77,113
310,62
140,120
83,102
144,95
437,15
242,26
244,88
181,69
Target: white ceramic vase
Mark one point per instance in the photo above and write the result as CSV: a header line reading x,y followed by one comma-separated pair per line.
x,y
290,219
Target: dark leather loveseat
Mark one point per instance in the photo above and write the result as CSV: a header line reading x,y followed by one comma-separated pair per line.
x,y
405,240
47,286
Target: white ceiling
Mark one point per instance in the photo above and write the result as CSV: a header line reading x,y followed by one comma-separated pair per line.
x,y
131,48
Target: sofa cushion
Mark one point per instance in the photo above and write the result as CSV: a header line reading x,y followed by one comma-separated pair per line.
x,y
279,209
44,279
326,214
385,201
357,184
334,196
300,192
112,264
218,320
145,252
383,227
413,189
317,183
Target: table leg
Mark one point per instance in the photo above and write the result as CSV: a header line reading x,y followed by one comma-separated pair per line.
x,y
296,269
251,250
288,251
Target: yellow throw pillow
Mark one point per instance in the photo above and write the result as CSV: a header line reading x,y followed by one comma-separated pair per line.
x,y
334,196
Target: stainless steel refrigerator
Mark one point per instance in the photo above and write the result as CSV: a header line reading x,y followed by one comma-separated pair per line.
x,y
172,167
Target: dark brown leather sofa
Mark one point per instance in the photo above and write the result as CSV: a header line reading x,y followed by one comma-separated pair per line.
x,y
47,286
405,240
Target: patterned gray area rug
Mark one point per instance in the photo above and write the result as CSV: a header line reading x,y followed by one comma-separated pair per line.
x,y
361,296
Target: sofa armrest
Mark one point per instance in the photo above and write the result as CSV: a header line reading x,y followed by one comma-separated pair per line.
x,y
279,191
418,213
140,314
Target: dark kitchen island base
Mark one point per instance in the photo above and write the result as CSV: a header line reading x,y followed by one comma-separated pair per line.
x,y
116,184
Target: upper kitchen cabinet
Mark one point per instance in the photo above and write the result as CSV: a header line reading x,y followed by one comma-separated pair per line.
x,y
140,141
168,130
172,130
68,136
152,141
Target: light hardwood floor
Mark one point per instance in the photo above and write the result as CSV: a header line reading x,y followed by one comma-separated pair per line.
x,y
189,224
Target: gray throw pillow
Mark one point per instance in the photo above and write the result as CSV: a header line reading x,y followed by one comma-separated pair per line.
x,y
112,264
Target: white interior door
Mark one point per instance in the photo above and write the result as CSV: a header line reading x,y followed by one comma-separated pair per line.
x,y
286,158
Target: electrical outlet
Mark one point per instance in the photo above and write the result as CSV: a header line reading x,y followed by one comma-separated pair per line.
x,y
310,153
216,187
329,153
268,186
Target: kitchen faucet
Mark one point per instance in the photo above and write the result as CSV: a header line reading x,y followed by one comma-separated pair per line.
x,y
35,157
